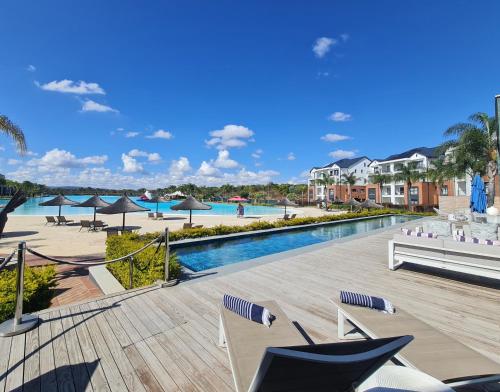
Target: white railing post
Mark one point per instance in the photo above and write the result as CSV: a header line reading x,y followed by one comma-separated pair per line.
x,y
20,323
167,256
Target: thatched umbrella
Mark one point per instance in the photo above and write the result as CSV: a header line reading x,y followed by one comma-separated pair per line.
x,y
122,206
353,203
370,204
157,200
287,203
58,201
94,202
190,203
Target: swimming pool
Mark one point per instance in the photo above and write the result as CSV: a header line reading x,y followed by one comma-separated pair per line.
x,y
225,252
31,207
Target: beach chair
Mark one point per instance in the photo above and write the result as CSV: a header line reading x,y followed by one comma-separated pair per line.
x,y
285,217
159,215
85,224
111,233
293,216
279,358
98,224
50,219
151,215
187,226
433,352
62,220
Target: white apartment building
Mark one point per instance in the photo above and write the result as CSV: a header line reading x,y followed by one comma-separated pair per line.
x,y
357,166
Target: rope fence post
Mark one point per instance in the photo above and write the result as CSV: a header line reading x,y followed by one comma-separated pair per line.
x,y
131,272
20,323
167,256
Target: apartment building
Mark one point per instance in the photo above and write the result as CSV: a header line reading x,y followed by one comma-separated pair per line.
x,y
335,170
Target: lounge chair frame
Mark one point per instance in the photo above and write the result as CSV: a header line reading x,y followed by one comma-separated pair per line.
x,y
344,315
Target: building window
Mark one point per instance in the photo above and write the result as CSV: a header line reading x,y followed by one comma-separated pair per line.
x,y
330,172
444,190
336,172
414,195
372,194
461,188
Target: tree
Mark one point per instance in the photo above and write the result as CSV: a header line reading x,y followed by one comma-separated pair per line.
x,y
14,132
474,149
325,181
350,180
409,175
380,179
439,172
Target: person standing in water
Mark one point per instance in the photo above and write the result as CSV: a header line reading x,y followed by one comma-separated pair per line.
x,y
240,210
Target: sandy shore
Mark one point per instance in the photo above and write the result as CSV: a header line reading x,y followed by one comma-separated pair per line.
x,y
69,241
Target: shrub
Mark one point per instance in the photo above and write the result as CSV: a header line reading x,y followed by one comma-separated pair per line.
x,y
148,264
38,282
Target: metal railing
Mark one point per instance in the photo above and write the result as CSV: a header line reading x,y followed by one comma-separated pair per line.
x,y
24,322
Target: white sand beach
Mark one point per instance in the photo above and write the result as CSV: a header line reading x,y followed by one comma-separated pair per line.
x,y
69,241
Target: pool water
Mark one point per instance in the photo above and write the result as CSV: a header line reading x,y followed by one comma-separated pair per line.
x,y
31,207
225,252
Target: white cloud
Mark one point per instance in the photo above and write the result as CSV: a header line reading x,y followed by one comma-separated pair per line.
x,y
161,134
323,45
2,148
229,137
179,168
334,137
57,158
131,165
223,160
207,169
340,154
137,153
120,129
31,68
31,154
154,157
339,117
131,134
257,154
92,106
69,86
14,162
322,74
344,37
291,156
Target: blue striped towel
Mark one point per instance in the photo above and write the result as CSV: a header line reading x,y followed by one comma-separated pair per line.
x,y
367,301
248,310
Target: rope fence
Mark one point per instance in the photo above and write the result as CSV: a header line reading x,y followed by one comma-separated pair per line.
x,y
24,322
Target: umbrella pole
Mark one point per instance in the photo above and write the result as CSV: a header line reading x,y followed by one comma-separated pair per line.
x,y
157,208
60,211
123,223
95,208
190,215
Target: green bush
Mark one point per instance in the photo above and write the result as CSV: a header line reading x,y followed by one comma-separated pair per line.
x,y
148,264
38,282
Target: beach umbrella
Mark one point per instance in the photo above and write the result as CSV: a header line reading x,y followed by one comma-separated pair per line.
x,y
122,206
370,204
287,203
478,195
58,201
157,200
353,203
238,199
190,203
94,202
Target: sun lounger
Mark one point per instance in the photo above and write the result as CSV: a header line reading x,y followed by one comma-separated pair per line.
x,y
50,219
293,216
151,215
62,220
432,352
98,224
285,217
187,226
111,233
279,359
85,224
159,215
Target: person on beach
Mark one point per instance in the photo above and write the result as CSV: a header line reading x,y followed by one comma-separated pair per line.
x,y
240,210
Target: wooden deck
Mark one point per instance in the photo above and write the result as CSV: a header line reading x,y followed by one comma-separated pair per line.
x,y
166,339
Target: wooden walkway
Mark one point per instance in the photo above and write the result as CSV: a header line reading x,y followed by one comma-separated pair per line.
x,y
166,339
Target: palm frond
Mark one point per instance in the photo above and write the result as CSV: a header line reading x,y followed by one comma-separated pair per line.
x,y
15,132
459,129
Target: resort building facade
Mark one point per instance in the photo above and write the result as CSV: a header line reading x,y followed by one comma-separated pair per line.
x,y
337,172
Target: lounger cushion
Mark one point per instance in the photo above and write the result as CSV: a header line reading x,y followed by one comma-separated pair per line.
x,y
247,341
248,310
440,227
486,231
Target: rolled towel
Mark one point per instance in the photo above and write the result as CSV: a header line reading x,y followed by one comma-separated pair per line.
x,y
248,310
367,301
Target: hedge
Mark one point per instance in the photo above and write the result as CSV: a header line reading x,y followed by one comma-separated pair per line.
x,y
38,282
149,264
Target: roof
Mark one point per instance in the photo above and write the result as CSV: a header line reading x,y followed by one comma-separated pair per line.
x,y
429,152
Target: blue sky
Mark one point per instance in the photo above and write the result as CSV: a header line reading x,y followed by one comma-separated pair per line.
x,y
125,93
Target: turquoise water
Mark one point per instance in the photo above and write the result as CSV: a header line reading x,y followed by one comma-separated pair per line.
x,y
31,207
221,253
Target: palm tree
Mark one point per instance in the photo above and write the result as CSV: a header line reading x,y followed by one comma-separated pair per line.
x,y
438,173
380,179
350,180
12,130
474,149
325,181
409,175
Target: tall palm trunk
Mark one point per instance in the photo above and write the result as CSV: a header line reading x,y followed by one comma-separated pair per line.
x,y
491,172
408,186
